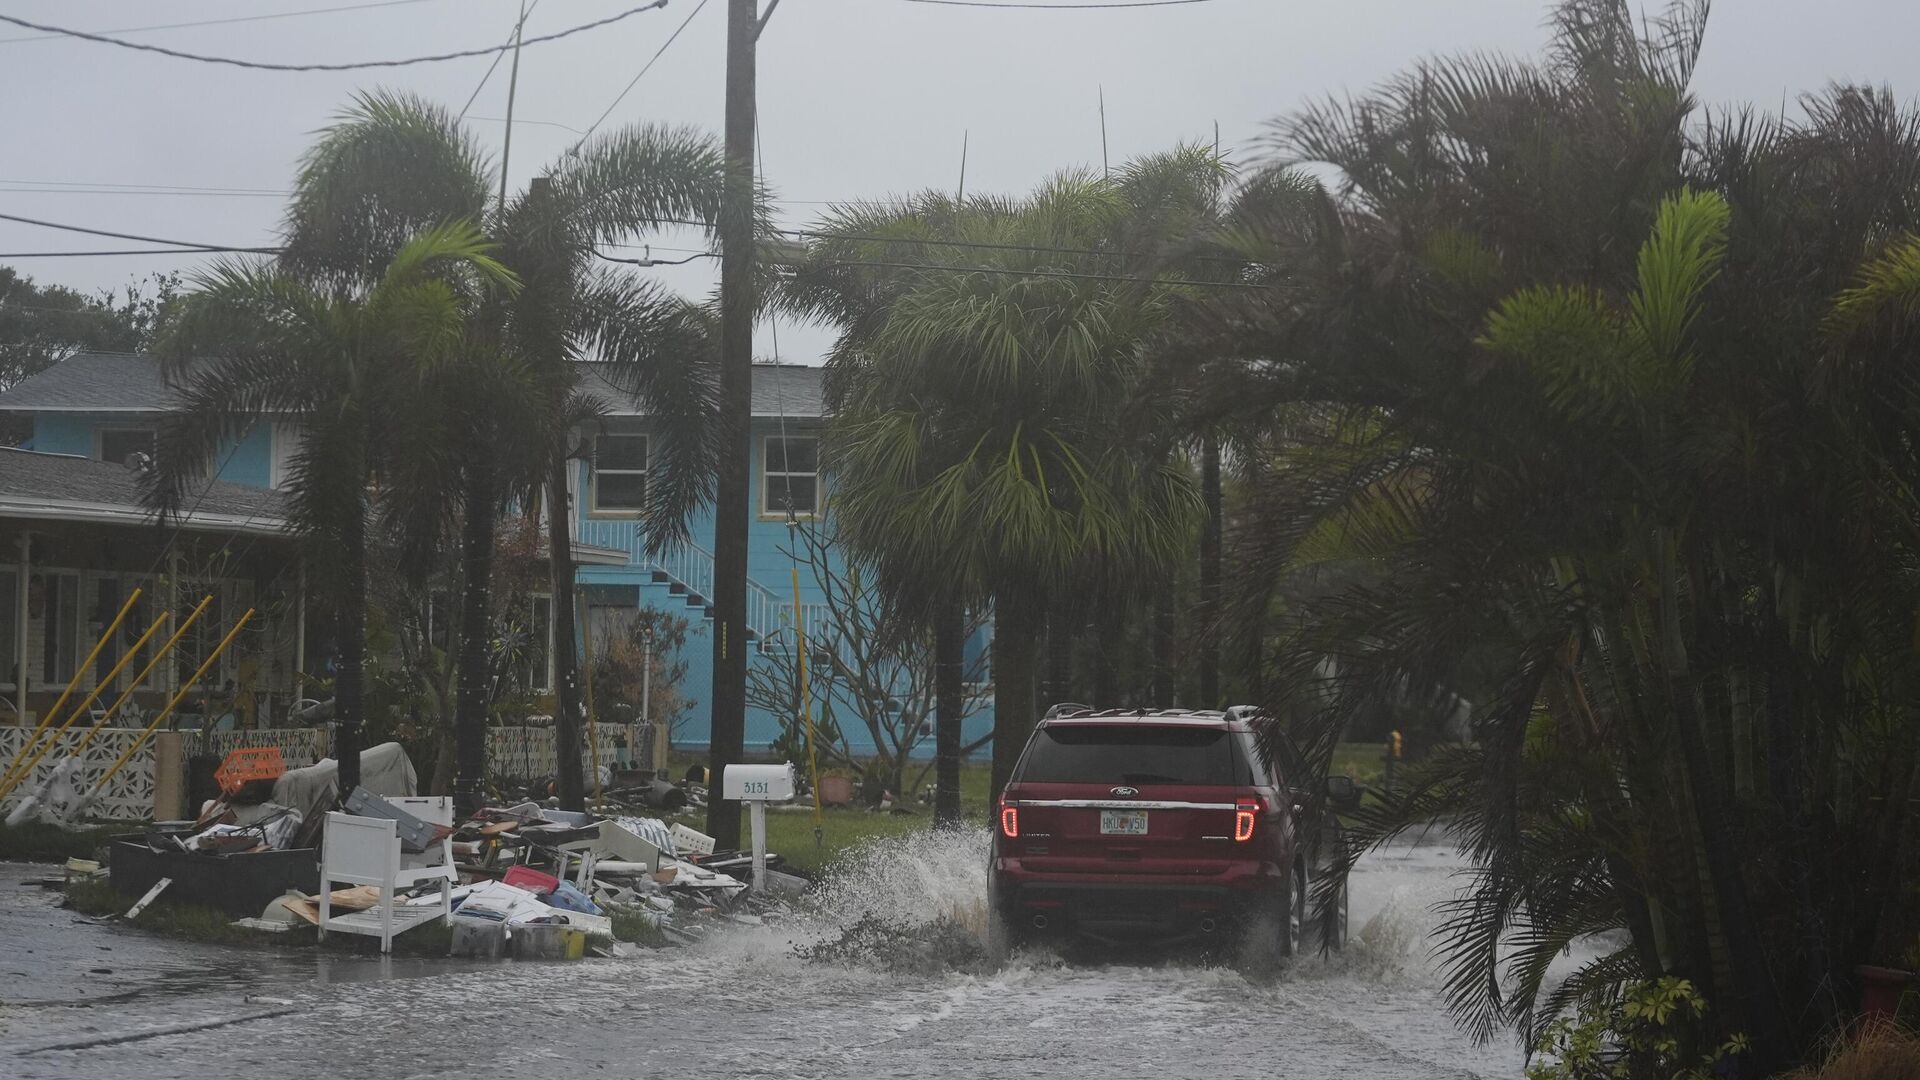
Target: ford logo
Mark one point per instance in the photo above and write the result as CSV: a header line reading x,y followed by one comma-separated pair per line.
x,y
1123,792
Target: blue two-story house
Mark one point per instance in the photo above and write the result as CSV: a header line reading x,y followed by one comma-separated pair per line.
x,y
103,407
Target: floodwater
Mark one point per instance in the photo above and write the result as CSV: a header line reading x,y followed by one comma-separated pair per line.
x,y
744,1005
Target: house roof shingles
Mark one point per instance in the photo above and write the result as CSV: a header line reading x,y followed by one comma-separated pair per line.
x,y
129,382
64,487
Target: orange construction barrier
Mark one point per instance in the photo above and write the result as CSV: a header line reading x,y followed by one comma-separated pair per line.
x,y
247,764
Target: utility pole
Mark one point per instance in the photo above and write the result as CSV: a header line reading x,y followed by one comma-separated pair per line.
x,y
730,515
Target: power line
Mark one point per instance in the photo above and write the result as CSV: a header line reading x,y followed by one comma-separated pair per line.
x,y
107,191
259,66
648,66
650,261
187,244
1056,7
149,187
132,251
222,22
984,245
537,123
517,25
1051,274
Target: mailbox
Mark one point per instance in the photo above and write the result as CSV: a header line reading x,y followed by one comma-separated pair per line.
x,y
758,783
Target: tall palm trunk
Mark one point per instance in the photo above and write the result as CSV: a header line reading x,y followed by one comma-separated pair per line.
x,y
1210,530
1016,637
1761,1010
568,712
350,618
476,571
949,698
1163,618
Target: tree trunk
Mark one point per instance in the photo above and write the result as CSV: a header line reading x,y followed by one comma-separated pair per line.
x,y
1210,531
568,712
350,613
476,609
949,698
1163,648
1109,637
1760,1007
1059,683
731,497
1015,638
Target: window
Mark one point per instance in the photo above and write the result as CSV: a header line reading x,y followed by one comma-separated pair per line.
x,y
790,475
119,444
53,607
287,441
619,473
1134,754
203,636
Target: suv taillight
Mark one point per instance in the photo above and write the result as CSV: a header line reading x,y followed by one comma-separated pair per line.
x,y
1009,820
1245,813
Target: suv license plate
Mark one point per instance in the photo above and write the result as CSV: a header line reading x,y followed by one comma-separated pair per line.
x,y
1123,823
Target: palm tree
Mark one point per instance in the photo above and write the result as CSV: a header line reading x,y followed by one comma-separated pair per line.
x,y
1586,411
252,339
985,444
393,163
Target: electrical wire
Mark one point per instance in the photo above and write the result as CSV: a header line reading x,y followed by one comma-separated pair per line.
x,y
660,262
518,25
129,251
98,191
134,236
1057,7
648,66
149,187
1078,275
356,66
223,22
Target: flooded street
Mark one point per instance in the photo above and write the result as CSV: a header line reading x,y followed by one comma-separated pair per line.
x,y
745,1005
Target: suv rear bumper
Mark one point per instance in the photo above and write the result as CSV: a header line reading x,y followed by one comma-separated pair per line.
x,y
1136,907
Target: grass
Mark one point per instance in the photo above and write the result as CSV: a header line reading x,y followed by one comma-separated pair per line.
x,y
38,842
1365,762
790,832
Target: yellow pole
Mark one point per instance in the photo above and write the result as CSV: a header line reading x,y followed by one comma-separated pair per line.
x,y
78,674
165,648
7,785
586,671
171,705
806,710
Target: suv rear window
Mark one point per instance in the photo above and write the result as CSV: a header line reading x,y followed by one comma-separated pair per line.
x,y
1134,754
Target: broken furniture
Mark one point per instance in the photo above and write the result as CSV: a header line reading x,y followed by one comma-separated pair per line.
x,y
237,884
369,851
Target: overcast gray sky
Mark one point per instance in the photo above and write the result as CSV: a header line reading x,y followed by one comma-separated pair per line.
x,y
858,98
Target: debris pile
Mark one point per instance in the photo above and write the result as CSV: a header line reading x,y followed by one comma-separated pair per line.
x,y
525,880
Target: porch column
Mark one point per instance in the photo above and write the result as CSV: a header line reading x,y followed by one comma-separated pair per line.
x,y
20,629
299,628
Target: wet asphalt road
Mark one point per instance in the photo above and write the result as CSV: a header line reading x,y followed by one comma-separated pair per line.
x,y
744,1006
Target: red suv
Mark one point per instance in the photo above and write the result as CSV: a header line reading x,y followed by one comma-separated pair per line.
x,y
1157,826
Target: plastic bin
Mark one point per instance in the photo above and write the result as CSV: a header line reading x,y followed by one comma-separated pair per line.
x,y
526,877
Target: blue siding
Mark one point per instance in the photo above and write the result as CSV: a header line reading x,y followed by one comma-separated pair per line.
x,y
769,565
250,462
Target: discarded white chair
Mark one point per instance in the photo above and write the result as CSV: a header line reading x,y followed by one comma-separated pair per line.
x,y
366,851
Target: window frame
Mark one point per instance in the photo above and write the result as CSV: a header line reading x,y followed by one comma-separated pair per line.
x,y
36,673
101,431
594,471
767,509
